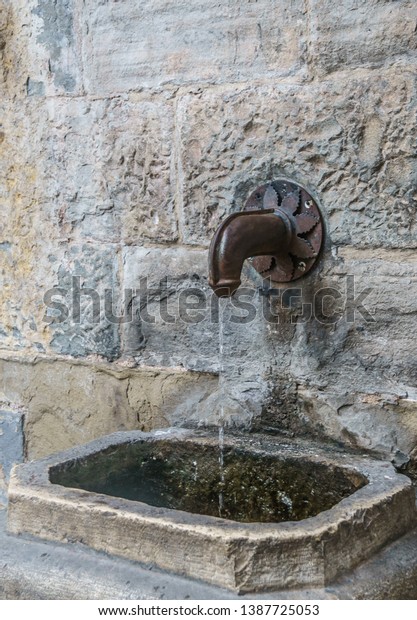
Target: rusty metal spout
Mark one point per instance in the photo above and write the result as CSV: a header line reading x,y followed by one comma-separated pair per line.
x,y
244,235
281,229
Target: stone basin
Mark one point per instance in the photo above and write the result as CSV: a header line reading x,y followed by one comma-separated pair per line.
x,y
277,514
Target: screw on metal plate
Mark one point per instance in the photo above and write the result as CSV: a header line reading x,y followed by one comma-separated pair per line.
x,y
300,209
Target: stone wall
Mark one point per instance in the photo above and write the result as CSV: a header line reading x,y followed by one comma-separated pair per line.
x,y
128,131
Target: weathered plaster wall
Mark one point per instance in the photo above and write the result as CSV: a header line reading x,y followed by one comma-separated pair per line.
x,y
128,131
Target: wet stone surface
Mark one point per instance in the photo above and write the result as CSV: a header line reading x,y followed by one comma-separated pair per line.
x,y
249,487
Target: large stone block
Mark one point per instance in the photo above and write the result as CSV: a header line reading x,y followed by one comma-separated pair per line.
x,y
381,302
166,283
108,168
96,169
383,344
69,403
41,48
128,46
361,32
350,143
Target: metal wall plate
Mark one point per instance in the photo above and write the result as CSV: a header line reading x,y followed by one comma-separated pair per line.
x,y
307,221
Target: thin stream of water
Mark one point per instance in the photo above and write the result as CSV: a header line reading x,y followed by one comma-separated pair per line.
x,y
221,467
222,320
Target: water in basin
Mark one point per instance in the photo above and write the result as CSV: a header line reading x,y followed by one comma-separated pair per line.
x,y
254,486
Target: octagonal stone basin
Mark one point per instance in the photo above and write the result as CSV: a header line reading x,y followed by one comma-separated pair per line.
x,y
276,515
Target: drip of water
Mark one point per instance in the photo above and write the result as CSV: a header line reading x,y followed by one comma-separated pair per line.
x,y
222,320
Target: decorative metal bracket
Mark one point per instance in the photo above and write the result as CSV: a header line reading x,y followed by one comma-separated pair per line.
x,y
299,208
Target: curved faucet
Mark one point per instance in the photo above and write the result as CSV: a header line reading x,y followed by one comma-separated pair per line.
x,y
276,235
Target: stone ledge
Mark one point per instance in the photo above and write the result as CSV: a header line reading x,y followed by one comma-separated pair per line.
x,y
72,401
